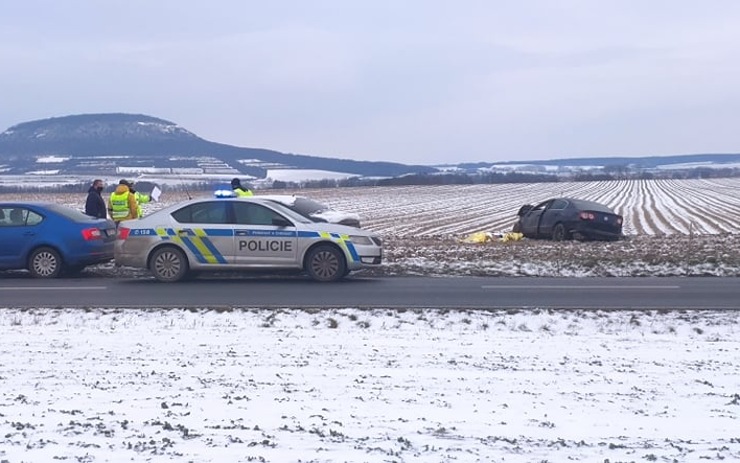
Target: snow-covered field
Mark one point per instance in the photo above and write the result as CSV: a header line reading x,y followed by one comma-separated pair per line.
x,y
652,207
402,385
368,386
673,227
649,207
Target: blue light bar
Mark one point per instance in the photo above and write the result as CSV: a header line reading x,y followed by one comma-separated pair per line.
x,y
224,193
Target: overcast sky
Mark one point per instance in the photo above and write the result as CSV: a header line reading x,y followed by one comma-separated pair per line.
x,y
414,81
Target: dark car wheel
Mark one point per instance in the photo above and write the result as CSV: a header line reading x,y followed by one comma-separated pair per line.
x,y
45,263
325,263
169,264
559,233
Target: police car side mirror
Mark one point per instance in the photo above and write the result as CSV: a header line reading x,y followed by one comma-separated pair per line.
x,y
281,222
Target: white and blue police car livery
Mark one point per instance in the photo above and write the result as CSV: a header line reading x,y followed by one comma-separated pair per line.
x,y
228,233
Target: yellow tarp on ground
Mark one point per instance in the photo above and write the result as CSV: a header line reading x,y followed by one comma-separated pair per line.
x,y
487,237
512,236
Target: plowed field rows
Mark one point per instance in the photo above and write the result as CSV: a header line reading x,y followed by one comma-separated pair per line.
x,y
649,207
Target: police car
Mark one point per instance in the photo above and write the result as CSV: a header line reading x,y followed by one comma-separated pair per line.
x,y
216,234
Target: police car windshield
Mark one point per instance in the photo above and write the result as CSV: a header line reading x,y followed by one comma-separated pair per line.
x,y
288,212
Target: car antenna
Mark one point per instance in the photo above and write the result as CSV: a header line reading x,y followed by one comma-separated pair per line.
x,y
184,185
187,192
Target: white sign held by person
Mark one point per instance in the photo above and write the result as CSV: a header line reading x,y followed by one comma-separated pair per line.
x,y
156,193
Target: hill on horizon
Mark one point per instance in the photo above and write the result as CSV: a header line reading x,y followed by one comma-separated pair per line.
x,y
121,143
95,143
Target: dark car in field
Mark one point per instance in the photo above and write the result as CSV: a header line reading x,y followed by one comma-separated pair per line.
x,y
50,239
567,218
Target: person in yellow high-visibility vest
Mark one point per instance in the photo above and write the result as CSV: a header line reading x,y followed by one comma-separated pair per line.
x,y
122,203
239,190
141,198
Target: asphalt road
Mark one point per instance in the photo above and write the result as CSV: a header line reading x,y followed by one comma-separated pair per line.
x,y
368,292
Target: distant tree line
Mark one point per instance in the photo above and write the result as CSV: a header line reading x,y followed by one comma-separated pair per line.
x,y
623,172
83,187
43,188
457,178
422,179
616,173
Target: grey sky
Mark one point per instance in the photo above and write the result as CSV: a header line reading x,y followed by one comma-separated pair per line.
x,y
414,81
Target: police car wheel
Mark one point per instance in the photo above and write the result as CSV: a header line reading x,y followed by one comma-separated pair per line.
x,y
45,263
169,264
325,263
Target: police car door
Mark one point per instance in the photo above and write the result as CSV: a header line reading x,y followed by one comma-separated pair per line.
x,y
205,231
259,241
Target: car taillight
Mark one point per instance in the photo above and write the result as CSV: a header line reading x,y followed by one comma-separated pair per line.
x,y
123,233
91,234
586,216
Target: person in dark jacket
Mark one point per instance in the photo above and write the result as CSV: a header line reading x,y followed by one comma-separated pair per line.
x,y
95,204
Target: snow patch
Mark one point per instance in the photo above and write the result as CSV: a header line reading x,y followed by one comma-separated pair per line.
x,y
297,175
43,172
51,159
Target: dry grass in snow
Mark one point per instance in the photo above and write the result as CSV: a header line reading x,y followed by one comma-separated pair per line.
x,y
368,386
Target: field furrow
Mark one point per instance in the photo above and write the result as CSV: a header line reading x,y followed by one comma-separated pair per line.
x,y
649,207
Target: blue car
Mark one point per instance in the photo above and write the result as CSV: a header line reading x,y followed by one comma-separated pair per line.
x,y
50,240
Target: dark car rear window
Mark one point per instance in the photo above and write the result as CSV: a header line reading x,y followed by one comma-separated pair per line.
x,y
590,206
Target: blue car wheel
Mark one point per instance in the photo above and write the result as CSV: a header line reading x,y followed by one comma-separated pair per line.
x,y
45,262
